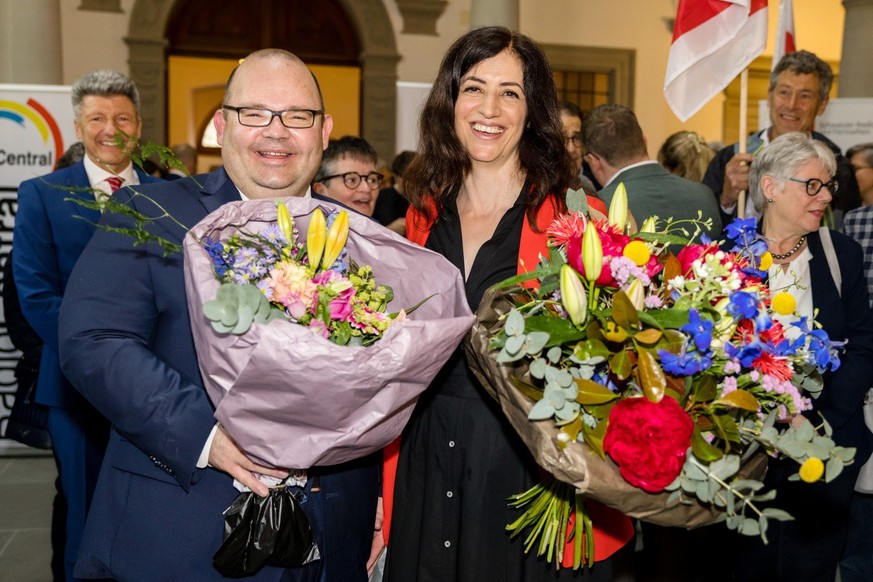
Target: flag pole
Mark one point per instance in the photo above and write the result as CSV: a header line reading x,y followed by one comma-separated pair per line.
x,y
744,106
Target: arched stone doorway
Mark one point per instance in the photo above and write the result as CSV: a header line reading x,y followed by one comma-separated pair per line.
x,y
378,61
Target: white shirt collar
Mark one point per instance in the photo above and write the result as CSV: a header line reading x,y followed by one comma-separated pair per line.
x,y
308,194
97,176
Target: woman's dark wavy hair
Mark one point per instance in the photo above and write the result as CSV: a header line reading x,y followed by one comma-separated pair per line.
x,y
442,163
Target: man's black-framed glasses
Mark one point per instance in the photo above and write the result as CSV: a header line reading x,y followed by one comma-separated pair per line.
x,y
290,118
814,185
575,139
353,179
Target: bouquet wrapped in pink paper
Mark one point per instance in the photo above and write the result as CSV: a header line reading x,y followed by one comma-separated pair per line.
x,y
315,369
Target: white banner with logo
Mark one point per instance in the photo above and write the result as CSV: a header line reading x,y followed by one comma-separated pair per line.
x,y
36,128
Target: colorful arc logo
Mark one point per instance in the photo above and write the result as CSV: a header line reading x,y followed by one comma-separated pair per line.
x,y
37,114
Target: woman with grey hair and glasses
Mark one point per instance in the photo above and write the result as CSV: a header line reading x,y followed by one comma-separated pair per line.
x,y
791,183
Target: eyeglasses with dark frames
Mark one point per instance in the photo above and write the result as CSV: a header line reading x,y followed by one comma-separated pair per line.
x,y
814,185
353,179
290,118
576,139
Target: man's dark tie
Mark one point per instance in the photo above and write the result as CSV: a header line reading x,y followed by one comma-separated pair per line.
x,y
114,182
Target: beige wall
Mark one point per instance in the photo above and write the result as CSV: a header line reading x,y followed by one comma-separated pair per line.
x,y
94,40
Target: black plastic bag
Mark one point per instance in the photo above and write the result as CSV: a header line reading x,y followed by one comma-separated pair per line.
x,y
28,421
265,531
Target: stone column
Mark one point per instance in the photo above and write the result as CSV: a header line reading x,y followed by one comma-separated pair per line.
x,y
494,13
855,77
30,42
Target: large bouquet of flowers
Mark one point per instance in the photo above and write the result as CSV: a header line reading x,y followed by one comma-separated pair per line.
x,y
652,382
302,341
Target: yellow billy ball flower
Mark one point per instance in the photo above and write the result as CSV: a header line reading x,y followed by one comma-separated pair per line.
x,y
766,261
812,470
783,303
638,252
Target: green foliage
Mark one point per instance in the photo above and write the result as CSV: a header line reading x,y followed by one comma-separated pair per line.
x,y
236,307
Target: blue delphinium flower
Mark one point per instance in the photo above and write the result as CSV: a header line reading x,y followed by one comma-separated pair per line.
x,y
741,228
221,259
743,305
825,352
746,353
684,363
748,243
700,330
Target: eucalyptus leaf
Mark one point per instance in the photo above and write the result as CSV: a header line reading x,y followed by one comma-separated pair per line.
x,y
725,467
514,325
749,527
554,354
535,342
537,368
505,357
577,201
542,410
514,344
777,514
833,468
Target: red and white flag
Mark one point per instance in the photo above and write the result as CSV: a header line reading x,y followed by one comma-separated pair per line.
x,y
713,41
785,39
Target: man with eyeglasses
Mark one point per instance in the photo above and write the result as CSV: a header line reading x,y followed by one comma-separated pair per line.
x,y
348,174
571,122
127,345
799,88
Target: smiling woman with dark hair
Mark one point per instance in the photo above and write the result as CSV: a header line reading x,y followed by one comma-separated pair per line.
x,y
487,181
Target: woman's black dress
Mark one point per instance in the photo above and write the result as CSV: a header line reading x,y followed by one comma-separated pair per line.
x,y
460,459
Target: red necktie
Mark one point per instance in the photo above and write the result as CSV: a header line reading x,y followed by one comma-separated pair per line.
x,y
114,182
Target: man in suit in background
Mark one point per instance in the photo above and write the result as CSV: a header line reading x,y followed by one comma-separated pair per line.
x,y
616,150
127,345
49,236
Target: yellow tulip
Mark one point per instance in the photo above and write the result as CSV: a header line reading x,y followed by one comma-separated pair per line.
x,y
336,239
592,252
618,208
286,224
315,237
573,295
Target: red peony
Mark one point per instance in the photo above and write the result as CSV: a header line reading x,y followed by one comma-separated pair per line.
x,y
648,441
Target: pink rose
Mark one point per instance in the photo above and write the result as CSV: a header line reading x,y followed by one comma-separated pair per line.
x,y
648,441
